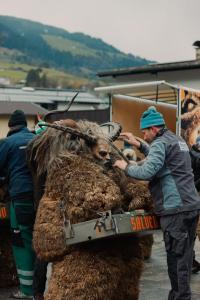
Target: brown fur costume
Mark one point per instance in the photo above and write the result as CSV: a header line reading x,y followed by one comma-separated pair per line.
x,y
190,124
83,186
198,230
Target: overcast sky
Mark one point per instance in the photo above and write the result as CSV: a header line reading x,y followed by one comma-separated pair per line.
x,y
161,30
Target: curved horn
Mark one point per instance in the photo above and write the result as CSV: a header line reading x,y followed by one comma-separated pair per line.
x,y
89,138
114,130
62,111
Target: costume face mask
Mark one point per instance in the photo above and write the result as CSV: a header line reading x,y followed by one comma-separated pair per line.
x,y
101,150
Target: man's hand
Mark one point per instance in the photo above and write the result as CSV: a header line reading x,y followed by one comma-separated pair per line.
x,y
121,164
129,138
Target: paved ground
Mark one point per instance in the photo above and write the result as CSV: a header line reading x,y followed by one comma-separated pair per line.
x,y
154,283
4,294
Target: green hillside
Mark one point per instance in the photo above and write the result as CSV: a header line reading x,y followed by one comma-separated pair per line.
x,y
17,72
63,44
34,44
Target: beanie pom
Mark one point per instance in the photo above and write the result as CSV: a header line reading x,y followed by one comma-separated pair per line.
x,y
151,117
152,108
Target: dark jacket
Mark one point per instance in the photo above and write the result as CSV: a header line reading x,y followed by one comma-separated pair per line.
x,y
38,180
13,161
168,168
195,159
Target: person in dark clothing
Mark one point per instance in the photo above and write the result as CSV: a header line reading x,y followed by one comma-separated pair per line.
x,y
195,160
20,186
167,167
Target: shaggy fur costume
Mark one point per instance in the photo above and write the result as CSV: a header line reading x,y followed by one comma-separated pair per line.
x,y
190,124
77,188
198,230
108,270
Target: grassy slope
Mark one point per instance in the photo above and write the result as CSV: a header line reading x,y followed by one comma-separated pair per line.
x,y
66,45
16,72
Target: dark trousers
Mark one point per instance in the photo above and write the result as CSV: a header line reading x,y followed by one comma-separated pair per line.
x,y
179,234
21,220
39,277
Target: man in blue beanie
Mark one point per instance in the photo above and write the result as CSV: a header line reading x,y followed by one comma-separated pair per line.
x,y
167,167
13,163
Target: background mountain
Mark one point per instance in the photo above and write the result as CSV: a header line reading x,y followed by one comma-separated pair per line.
x,y
33,43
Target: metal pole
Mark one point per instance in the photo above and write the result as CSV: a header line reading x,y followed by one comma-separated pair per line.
x,y
110,106
178,113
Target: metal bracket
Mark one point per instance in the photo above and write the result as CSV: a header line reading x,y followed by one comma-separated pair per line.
x,y
105,222
69,233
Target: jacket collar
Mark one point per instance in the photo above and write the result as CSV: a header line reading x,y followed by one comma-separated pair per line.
x,y
16,129
160,133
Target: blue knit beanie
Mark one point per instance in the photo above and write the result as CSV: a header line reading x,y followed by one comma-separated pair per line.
x,y
151,117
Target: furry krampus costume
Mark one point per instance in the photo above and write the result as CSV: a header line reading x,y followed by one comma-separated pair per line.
x,y
79,185
190,124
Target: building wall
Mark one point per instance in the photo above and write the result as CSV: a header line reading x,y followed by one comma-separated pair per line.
x,y
4,124
188,78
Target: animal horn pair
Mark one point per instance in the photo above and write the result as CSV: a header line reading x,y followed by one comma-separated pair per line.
x,y
90,139
113,127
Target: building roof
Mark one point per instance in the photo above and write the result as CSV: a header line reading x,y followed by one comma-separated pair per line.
x,y
158,91
48,96
30,109
153,68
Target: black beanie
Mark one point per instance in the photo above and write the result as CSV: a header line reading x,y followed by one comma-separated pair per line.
x,y
17,118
